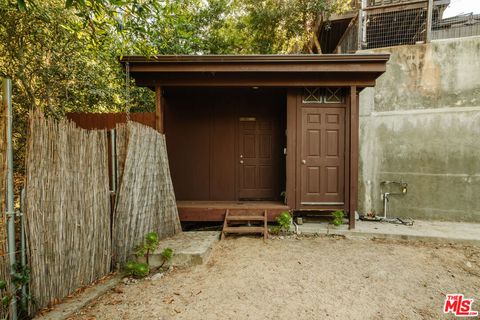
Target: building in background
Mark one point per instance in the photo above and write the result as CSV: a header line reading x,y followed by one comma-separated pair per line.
x,y
385,23
420,125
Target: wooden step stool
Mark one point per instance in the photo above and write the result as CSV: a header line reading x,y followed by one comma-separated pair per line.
x,y
231,217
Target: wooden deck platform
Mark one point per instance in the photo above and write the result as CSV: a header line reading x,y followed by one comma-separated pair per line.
x,y
215,210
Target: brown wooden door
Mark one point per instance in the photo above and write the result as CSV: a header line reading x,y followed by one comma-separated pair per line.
x,y
321,156
257,159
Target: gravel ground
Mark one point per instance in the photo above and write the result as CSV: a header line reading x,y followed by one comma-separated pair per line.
x,y
305,278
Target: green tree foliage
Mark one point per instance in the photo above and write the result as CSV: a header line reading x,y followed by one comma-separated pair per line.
x,y
287,26
63,54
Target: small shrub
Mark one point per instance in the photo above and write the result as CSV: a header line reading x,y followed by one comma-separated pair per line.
x,y
151,239
274,230
337,217
167,254
150,243
130,266
137,269
141,270
284,221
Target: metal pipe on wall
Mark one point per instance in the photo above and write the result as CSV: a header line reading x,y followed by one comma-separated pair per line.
x,y
7,104
385,201
386,195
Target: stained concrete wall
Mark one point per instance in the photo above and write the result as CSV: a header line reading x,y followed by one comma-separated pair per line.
x,y
421,125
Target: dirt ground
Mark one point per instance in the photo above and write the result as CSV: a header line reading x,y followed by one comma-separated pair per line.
x,y
306,278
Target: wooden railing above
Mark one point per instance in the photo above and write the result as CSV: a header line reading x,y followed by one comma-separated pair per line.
x,y
379,3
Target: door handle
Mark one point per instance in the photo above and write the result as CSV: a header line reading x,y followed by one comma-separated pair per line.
x,y
241,161
304,161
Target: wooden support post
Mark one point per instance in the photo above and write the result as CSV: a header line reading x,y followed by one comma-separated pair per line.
x,y
291,165
354,135
159,110
346,207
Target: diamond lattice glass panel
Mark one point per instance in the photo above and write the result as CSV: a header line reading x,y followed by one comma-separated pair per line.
x,y
334,95
312,95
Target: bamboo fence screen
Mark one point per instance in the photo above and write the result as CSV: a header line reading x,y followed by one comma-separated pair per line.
x,y
67,209
4,261
146,200
71,235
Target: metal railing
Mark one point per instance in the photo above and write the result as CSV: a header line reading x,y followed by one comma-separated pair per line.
x,y
387,23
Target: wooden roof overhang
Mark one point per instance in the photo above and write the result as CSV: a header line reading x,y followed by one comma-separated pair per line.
x,y
360,70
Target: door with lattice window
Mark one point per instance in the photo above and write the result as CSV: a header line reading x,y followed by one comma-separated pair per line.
x,y
321,156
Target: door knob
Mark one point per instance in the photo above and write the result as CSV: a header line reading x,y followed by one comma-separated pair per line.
x,y
304,161
241,161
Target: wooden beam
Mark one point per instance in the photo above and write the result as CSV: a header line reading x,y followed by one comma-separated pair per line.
x,y
354,141
261,79
397,7
352,23
338,67
251,59
348,15
187,214
159,110
291,133
212,82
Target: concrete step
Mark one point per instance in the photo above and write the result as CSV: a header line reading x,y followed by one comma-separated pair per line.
x,y
189,248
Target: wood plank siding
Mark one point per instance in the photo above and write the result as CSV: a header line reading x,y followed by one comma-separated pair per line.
x,y
246,128
210,151
109,120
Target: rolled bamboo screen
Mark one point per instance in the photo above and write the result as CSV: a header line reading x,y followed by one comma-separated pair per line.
x,y
67,209
145,200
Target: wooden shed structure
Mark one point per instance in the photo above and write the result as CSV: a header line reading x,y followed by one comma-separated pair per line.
x,y
271,132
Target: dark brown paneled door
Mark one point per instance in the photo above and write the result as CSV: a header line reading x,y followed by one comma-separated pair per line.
x,y
321,157
257,164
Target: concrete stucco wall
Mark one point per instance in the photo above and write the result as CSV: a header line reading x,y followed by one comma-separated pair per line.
x,y
421,125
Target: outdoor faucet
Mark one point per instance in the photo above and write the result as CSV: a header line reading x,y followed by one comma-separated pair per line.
x,y
386,195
